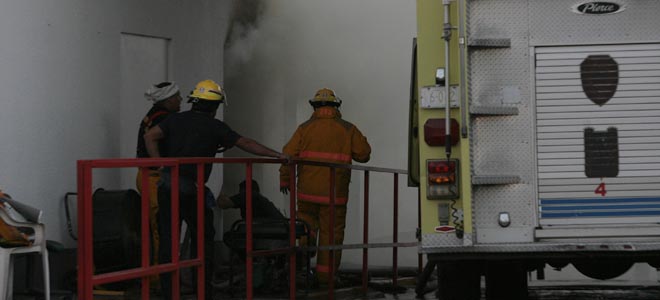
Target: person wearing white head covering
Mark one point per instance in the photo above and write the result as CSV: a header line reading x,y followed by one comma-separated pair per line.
x,y
161,91
166,101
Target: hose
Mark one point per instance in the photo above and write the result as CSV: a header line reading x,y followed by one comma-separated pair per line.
x,y
458,224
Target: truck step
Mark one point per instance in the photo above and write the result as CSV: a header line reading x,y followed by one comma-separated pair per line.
x,y
493,110
485,43
495,179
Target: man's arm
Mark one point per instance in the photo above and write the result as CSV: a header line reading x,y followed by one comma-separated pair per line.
x,y
361,151
252,146
151,140
225,202
292,148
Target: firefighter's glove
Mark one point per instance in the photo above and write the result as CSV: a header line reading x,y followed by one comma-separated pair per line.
x,y
285,157
284,190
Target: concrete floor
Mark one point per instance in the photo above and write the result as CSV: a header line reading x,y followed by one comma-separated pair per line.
x,y
382,289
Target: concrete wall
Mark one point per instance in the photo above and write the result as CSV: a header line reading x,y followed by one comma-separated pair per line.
x,y
362,50
59,76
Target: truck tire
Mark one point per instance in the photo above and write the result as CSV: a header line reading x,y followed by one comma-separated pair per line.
x,y
558,264
603,269
654,263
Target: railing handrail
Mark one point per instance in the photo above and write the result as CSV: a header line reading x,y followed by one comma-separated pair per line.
x,y
171,161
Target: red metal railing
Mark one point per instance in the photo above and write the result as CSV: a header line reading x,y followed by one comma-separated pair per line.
x,y
87,279
365,245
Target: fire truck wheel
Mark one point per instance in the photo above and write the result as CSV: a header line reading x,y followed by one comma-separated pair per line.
x,y
558,264
654,263
603,269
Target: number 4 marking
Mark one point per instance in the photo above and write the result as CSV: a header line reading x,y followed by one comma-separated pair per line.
x,y
601,189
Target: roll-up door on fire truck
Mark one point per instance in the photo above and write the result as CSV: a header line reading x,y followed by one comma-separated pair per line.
x,y
598,133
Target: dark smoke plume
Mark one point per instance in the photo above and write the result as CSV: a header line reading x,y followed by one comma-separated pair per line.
x,y
243,32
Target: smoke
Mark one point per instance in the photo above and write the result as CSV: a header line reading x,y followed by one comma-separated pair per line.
x,y
243,34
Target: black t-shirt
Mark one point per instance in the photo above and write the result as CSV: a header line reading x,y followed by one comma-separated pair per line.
x,y
154,116
195,134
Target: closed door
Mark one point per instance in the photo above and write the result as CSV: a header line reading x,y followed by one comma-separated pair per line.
x,y
144,61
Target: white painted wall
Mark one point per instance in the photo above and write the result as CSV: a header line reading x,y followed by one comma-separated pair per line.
x,y
60,82
362,50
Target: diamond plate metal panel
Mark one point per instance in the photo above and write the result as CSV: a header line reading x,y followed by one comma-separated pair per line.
x,y
515,199
553,22
502,144
435,240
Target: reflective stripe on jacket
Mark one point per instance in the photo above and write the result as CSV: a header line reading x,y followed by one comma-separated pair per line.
x,y
325,137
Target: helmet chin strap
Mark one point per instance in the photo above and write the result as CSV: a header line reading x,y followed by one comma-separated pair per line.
x,y
224,98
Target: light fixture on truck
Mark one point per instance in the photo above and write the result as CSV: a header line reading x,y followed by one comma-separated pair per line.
x,y
435,135
443,179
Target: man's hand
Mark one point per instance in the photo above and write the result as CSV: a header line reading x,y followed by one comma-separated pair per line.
x,y
284,190
224,201
285,157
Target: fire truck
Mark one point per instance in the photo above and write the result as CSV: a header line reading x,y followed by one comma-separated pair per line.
x,y
535,140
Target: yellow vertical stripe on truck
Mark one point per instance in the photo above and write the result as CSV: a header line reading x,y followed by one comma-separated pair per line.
x,y
430,56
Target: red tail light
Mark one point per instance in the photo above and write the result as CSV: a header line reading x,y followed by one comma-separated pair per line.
x,y
437,178
441,166
443,179
434,132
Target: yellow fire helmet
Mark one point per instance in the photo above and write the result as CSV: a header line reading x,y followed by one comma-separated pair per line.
x,y
207,90
325,97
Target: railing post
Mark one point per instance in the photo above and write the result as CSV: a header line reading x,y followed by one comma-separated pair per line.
x,y
292,232
175,227
331,238
396,230
144,228
201,205
85,228
248,232
365,235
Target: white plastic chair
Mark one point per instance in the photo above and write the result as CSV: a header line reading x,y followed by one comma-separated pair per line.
x,y
32,219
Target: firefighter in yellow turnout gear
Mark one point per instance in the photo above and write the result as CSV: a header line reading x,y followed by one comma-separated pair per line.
x,y
325,137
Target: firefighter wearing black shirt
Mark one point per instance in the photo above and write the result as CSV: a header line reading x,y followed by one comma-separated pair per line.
x,y
167,100
194,133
